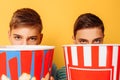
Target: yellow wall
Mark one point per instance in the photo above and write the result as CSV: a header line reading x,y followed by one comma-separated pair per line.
x,y
58,17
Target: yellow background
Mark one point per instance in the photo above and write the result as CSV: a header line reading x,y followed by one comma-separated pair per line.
x,y
58,17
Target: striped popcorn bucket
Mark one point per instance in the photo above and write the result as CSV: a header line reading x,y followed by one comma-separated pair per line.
x,y
33,60
92,61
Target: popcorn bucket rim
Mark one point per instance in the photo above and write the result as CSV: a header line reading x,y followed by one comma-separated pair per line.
x,y
75,45
26,47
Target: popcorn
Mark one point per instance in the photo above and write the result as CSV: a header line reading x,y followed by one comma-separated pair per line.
x,y
25,76
46,77
4,77
33,78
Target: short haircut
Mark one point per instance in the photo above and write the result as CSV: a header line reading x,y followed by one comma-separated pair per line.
x,y
88,20
26,16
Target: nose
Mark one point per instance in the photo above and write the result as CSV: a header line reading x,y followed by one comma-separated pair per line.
x,y
24,42
90,42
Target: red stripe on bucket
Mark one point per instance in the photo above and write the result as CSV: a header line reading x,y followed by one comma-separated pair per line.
x,y
2,63
26,57
51,58
118,66
95,56
80,56
13,68
38,63
70,56
109,56
46,62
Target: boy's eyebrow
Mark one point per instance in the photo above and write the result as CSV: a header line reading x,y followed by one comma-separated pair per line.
x,y
98,38
94,39
16,35
21,35
83,39
32,36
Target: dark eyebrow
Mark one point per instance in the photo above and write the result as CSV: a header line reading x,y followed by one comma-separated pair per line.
x,y
98,38
32,36
83,39
21,35
16,35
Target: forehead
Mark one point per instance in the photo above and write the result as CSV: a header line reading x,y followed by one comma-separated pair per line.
x,y
25,31
89,33
29,26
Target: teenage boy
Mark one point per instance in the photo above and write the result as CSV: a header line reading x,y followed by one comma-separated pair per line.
x,y
26,29
88,29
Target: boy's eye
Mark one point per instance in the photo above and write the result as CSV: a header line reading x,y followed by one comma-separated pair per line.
x,y
97,41
83,42
33,39
17,37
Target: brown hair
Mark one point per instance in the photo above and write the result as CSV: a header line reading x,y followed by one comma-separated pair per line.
x,y
88,20
26,16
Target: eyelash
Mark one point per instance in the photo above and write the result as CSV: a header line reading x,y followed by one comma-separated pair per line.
x,y
33,39
17,37
98,41
82,41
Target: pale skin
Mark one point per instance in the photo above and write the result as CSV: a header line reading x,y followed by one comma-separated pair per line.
x,y
25,36
89,36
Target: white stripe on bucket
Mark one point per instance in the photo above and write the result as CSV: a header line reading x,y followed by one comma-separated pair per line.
x,y
87,56
74,56
66,57
102,56
115,60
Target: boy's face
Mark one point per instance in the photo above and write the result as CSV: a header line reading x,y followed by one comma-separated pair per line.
x,y
89,36
25,36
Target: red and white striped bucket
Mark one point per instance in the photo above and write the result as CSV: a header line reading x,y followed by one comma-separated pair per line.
x,y
34,60
92,61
